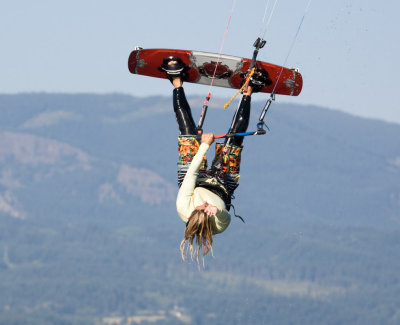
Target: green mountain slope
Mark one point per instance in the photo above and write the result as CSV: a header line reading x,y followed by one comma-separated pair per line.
x,y
89,233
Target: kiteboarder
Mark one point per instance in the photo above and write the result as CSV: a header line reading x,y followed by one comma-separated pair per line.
x,y
204,196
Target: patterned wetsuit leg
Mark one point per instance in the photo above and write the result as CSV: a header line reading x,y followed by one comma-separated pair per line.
x,y
188,145
226,164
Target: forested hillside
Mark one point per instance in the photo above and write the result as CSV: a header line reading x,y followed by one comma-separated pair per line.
x,y
89,232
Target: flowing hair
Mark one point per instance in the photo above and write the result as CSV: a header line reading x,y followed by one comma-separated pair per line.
x,y
198,233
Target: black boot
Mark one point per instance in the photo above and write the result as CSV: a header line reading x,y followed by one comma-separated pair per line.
x,y
183,113
259,79
174,70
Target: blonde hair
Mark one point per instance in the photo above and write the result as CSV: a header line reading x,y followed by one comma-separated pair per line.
x,y
198,233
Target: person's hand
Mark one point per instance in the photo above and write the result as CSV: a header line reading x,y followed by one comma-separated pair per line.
x,y
211,210
207,138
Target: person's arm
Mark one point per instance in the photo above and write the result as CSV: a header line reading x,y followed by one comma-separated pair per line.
x,y
184,199
184,204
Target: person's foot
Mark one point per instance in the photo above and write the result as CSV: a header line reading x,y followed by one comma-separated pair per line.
x,y
259,79
175,70
175,79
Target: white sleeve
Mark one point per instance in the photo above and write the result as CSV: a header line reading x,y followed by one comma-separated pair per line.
x,y
184,203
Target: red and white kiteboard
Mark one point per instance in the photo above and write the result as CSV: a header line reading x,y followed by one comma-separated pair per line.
x,y
202,65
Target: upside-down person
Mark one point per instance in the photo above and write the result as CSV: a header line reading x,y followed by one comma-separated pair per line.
x,y
204,196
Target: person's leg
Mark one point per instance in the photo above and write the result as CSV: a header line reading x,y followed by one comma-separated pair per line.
x,y
226,164
239,124
176,71
240,121
241,118
183,113
188,143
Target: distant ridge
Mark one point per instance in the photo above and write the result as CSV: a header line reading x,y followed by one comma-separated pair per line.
x,y
89,232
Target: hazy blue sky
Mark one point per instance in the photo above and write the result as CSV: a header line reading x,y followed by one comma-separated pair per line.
x,y
347,50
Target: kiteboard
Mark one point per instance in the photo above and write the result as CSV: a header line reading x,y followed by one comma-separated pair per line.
x,y
201,66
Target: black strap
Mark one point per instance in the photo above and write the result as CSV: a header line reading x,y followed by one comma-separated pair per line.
x,y
219,190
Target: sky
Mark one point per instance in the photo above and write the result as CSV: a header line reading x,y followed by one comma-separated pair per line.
x,y
346,50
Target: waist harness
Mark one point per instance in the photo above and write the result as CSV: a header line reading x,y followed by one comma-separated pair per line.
x,y
212,184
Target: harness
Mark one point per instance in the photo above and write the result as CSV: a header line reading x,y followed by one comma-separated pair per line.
x,y
212,184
